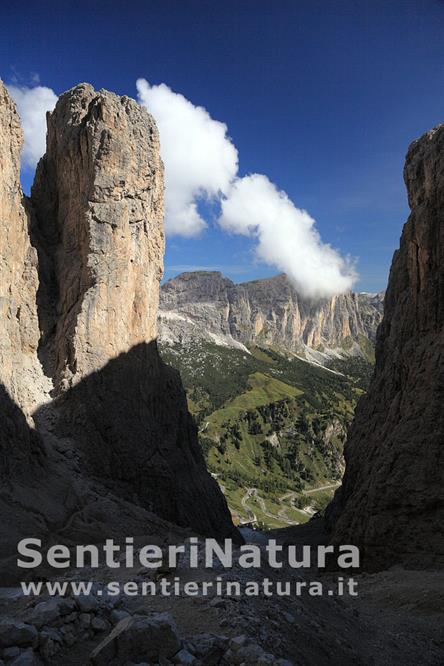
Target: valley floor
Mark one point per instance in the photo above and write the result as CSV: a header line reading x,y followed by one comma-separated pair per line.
x,y
272,426
258,508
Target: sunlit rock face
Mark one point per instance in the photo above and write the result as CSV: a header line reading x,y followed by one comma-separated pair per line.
x,y
21,373
92,422
98,197
266,312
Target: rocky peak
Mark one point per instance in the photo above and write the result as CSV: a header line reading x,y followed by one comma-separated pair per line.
x,y
98,197
81,263
265,312
195,287
392,500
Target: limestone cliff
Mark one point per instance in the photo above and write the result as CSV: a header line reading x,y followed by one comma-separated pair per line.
x,y
80,272
98,197
21,375
392,499
266,312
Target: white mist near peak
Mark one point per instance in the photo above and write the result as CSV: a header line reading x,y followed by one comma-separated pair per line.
x,y
286,237
201,164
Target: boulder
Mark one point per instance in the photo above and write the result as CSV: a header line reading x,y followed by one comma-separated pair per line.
x,y
16,633
26,658
209,647
99,624
184,658
50,611
87,603
137,639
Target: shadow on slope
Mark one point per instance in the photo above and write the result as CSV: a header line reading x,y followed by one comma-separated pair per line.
x,y
130,424
117,455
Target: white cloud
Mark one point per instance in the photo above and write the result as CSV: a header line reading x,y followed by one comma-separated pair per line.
x,y
201,162
200,159
287,237
32,105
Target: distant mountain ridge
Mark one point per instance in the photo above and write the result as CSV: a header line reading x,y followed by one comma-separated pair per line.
x,y
268,312
272,381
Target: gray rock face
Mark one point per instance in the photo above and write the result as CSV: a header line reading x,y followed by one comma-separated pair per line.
x,y
81,264
392,500
21,374
98,199
266,312
23,385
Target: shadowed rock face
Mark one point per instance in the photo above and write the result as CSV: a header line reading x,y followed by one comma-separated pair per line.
x,y
80,269
392,499
132,430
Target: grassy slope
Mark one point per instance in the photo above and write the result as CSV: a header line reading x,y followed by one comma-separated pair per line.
x,y
271,422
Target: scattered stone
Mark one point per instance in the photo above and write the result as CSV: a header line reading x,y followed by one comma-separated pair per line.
x,y
15,633
238,641
184,658
11,652
99,624
210,647
84,620
50,611
218,603
67,629
139,638
142,610
72,617
26,658
48,650
251,654
87,603
110,600
49,633
117,615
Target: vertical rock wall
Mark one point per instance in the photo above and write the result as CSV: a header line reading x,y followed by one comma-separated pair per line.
x,y
98,196
21,374
80,273
392,500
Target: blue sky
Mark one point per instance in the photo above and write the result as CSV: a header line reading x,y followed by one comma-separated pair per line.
x,y
323,97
